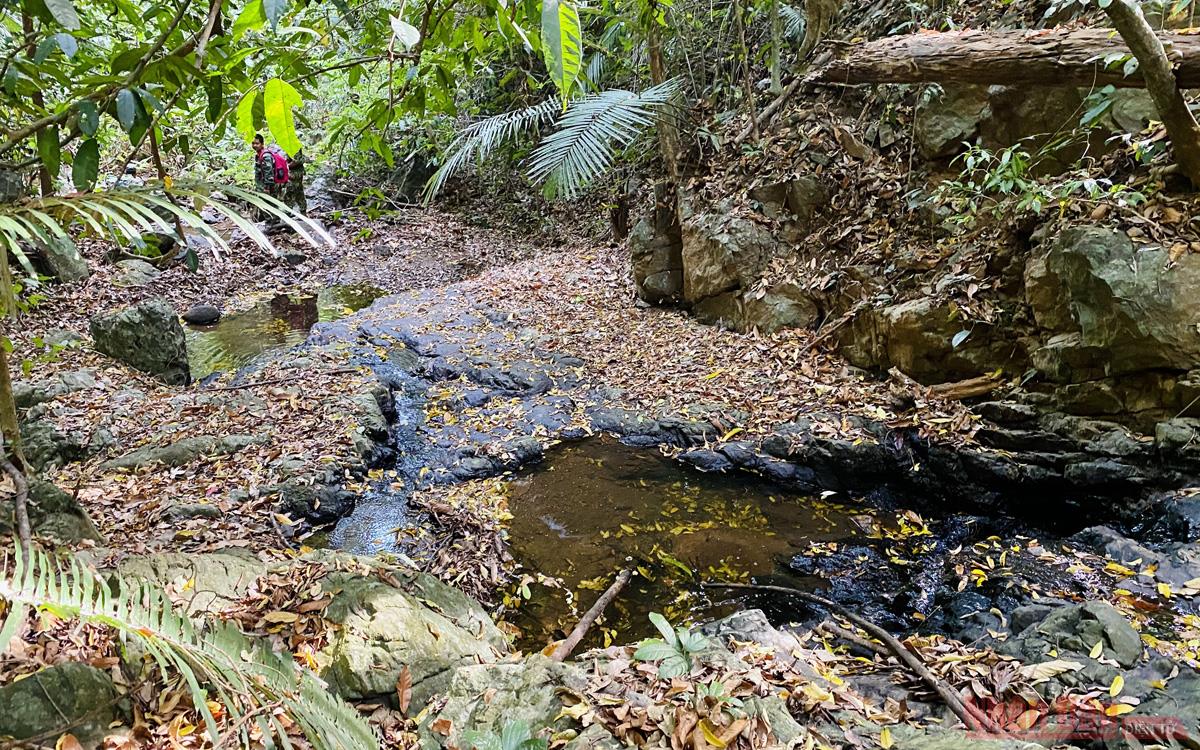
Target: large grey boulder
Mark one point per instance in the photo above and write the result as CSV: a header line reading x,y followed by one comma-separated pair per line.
x,y
53,514
63,260
411,620
1070,633
655,255
66,697
146,336
1110,308
945,121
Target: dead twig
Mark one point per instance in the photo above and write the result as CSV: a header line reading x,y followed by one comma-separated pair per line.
x,y
568,644
971,717
20,504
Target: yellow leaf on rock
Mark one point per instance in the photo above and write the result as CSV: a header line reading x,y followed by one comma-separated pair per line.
x,y
1097,649
1118,709
67,742
1117,685
885,738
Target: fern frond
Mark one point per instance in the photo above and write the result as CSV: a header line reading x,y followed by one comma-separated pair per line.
x,y
588,133
247,678
479,139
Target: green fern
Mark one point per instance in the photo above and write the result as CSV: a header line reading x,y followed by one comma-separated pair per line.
x,y
584,144
249,679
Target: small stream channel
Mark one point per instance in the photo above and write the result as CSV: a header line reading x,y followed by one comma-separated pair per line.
x,y
274,323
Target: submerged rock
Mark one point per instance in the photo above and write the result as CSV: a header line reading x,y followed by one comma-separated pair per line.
x,y
146,336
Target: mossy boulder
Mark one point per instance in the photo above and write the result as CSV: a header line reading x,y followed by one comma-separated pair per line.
x,y
66,697
146,336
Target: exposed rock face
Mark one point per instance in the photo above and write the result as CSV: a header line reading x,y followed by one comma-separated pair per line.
x,y
66,697
63,260
182,452
1112,309
655,249
722,253
147,336
997,117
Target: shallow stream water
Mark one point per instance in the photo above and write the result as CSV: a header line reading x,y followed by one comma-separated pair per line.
x,y
274,323
595,507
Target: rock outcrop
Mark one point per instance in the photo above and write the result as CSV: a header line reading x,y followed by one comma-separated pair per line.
x,y
65,695
146,336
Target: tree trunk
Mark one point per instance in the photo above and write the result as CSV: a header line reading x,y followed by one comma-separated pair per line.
x,y
1161,84
776,43
45,180
668,133
1053,57
10,430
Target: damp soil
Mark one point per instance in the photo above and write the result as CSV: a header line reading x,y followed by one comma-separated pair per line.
x,y
274,323
597,506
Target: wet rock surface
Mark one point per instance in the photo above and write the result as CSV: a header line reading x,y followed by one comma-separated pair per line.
x,y
146,336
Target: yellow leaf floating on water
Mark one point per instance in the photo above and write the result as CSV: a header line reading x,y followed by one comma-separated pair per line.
x,y
885,738
1115,688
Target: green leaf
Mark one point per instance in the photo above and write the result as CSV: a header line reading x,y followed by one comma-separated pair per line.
x,y
405,32
86,165
562,44
127,109
44,48
274,10
64,12
48,149
252,18
278,99
654,649
245,115
214,88
89,117
67,43
674,666
661,625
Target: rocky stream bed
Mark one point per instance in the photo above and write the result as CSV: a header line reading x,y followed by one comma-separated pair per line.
x,y
1049,565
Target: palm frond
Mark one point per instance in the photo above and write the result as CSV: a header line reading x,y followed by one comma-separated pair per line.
x,y
479,139
589,132
216,660
794,21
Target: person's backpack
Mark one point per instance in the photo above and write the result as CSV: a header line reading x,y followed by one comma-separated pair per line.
x,y
280,172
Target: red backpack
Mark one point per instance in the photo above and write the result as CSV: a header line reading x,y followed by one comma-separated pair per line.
x,y
280,172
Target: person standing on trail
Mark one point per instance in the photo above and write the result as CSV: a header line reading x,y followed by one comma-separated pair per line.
x,y
293,193
270,167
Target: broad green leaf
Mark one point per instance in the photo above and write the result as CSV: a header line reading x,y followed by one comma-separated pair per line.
x,y
44,48
252,18
278,99
654,649
661,625
126,109
64,12
274,10
89,117
67,43
405,32
214,88
562,44
674,666
86,165
245,115
48,149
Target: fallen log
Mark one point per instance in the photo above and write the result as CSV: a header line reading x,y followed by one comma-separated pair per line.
x,y
1049,57
964,389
